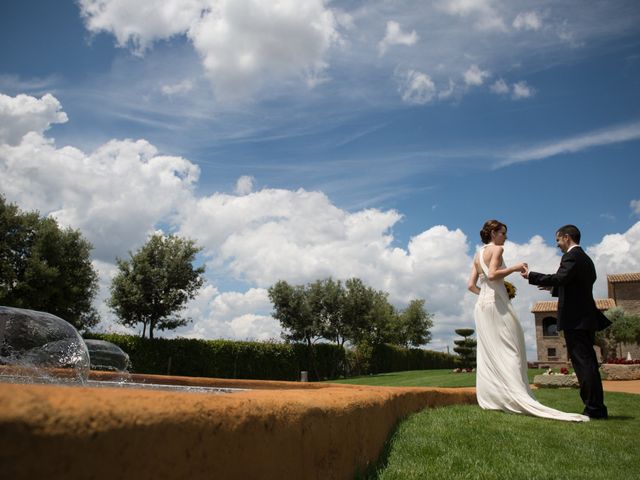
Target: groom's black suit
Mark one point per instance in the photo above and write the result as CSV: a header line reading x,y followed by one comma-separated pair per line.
x,y
579,318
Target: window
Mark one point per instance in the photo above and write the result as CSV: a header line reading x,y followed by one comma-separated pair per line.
x,y
551,352
550,327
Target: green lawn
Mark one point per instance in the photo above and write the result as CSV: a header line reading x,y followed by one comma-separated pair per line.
x,y
466,442
422,378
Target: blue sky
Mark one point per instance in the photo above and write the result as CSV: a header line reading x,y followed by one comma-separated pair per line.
x,y
300,140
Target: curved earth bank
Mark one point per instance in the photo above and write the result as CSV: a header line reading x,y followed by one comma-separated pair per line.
x,y
275,430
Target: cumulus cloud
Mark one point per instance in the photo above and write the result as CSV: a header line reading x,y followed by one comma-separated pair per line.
x,y
244,185
138,25
616,253
518,90
115,194
235,315
243,43
527,21
522,90
500,87
475,76
485,17
22,114
395,36
635,206
416,88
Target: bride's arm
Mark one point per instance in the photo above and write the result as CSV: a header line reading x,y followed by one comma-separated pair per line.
x,y
472,285
495,272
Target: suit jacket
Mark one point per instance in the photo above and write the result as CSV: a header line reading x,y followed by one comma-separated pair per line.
x,y
573,285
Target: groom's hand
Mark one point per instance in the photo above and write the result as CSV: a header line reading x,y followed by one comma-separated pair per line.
x,y
525,271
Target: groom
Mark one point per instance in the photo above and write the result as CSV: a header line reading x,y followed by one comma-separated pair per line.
x,y
578,315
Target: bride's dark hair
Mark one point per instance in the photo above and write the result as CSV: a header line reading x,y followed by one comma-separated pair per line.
x,y
490,226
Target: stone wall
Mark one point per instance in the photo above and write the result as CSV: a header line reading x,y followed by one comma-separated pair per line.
x,y
627,296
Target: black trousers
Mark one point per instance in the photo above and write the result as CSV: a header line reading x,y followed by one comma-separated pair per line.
x,y
585,363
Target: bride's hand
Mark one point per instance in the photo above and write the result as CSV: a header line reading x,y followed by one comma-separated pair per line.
x,y
521,267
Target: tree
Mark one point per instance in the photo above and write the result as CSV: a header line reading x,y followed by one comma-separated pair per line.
x,y
156,283
625,328
293,311
326,302
466,348
380,321
414,323
358,302
44,267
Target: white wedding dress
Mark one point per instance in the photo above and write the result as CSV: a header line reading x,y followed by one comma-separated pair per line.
x,y
501,380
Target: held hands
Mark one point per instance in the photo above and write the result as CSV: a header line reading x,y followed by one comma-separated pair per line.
x,y
524,271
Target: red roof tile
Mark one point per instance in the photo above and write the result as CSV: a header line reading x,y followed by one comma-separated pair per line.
x,y
623,277
552,305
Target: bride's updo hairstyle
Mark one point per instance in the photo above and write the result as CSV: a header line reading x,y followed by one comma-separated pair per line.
x,y
490,226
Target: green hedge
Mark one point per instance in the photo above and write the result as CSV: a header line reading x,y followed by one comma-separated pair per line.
x,y
391,358
228,359
269,360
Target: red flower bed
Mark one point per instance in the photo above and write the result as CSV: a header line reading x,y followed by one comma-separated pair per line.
x,y
623,361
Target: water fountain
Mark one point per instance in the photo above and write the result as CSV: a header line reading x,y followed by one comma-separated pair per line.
x,y
267,429
40,347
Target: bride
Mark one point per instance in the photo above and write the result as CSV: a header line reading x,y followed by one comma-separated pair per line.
x,y
502,382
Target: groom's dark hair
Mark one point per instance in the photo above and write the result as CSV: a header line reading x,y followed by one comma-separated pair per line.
x,y
572,231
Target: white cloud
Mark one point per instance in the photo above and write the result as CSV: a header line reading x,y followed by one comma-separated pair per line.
x,y
244,185
486,18
522,90
139,24
245,43
500,87
178,88
527,21
617,134
635,206
416,88
115,194
519,90
616,253
22,114
234,315
475,75
395,36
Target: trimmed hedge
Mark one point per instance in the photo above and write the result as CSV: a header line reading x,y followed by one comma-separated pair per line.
x,y
392,358
228,359
267,361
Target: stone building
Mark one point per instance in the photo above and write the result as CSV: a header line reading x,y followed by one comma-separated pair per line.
x,y
552,349
623,291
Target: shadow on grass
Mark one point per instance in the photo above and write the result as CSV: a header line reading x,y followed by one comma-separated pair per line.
x,y
621,417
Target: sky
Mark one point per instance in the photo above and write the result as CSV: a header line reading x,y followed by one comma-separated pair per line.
x,y
304,139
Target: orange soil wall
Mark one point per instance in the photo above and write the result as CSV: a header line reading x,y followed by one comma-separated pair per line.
x,y
280,430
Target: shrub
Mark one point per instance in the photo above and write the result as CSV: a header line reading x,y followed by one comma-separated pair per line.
x,y
229,359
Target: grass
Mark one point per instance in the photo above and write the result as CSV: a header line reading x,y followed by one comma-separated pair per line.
x,y
421,378
466,442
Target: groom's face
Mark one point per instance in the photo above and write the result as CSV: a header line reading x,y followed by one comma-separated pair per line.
x,y
563,242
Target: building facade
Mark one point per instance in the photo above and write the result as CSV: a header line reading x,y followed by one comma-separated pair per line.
x,y
623,290
552,349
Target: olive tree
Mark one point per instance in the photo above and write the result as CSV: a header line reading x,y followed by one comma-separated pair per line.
x,y
155,283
